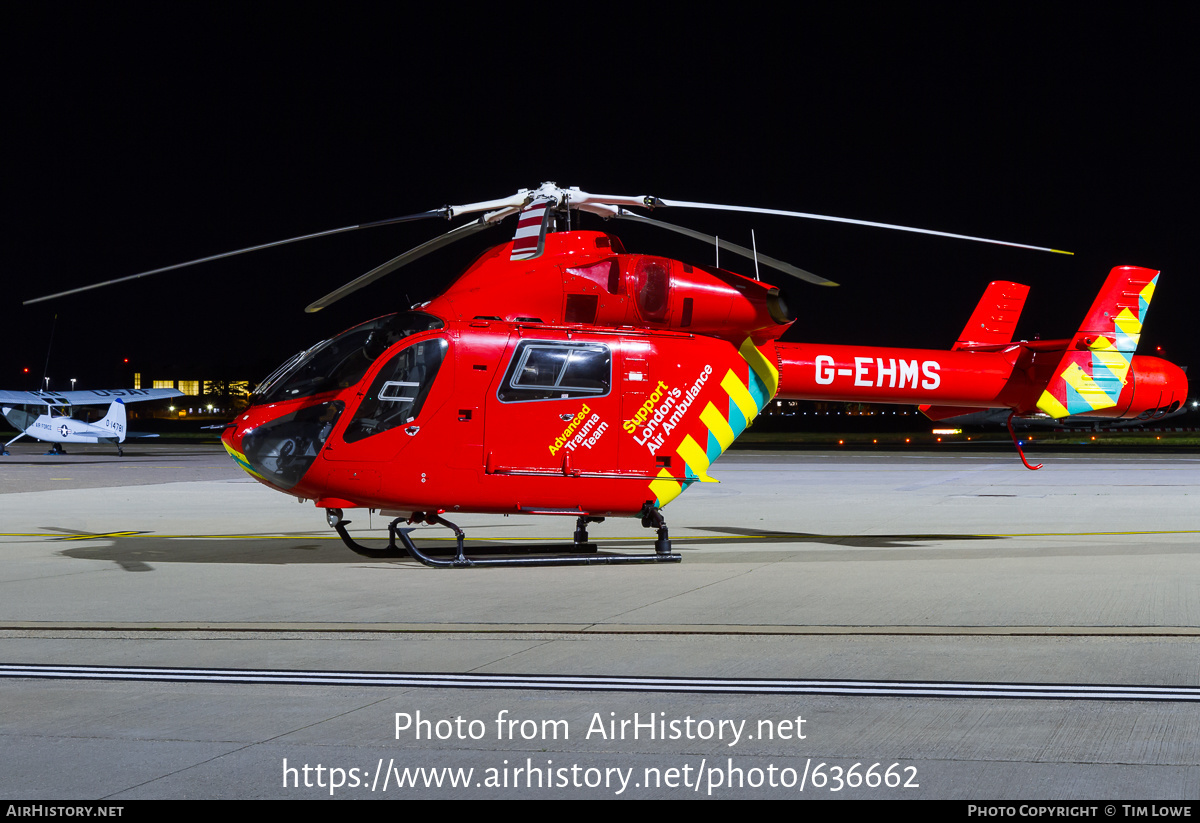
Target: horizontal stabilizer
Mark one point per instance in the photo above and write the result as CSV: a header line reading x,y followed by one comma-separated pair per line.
x,y
946,412
995,318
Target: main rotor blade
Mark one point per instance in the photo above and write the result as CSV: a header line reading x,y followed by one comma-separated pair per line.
x,y
517,201
689,205
742,251
405,219
409,256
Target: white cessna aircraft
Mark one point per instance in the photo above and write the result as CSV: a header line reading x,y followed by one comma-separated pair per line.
x,y
56,425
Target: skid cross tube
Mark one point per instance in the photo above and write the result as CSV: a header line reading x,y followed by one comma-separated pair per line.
x,y
391,551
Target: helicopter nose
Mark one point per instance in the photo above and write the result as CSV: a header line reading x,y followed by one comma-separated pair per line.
x,y
231,439
280,448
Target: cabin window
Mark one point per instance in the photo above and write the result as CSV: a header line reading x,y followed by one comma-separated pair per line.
x,y
549,370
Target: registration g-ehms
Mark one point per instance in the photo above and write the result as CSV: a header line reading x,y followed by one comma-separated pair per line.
x,y
563,376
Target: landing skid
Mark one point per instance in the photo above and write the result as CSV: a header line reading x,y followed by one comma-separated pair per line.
x,y
662,546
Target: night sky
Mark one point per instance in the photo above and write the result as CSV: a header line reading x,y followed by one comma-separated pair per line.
x,y
141,136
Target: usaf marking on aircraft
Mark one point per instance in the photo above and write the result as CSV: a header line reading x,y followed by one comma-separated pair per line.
x,y
57,426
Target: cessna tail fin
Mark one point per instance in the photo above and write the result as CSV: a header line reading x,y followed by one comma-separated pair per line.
x,y
114,421
995,318
1092,371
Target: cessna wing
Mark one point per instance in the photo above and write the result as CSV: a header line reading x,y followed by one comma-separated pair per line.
x,y
84,397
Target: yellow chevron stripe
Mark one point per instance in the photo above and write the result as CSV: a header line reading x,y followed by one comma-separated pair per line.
x,y
717,425
696,458
737,390
763,367
665,488
1148,292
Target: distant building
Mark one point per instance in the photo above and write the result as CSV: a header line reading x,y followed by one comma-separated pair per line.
x,y
201,397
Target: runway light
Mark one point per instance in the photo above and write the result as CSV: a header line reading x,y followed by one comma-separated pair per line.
x,y
907,440
841,442
939,440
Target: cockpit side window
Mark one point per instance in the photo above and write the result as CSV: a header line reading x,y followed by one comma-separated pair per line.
x,y
398,391
552,370
343,360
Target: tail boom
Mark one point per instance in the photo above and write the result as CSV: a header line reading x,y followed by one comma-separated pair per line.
x,y
1093,373
866,374
958,381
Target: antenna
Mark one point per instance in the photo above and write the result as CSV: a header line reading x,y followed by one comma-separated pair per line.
x,y
718,239
754,248
49,346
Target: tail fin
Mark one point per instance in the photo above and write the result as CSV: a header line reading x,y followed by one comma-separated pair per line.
x,y
1092,371
995,318
114,421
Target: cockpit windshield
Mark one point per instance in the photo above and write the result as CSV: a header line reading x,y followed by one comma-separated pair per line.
x,y
341,361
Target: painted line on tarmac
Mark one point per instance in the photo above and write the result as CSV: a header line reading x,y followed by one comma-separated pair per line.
x,y
601,540
851,688
184,630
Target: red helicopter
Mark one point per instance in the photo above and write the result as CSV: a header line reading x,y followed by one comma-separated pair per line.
x,y
560,375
